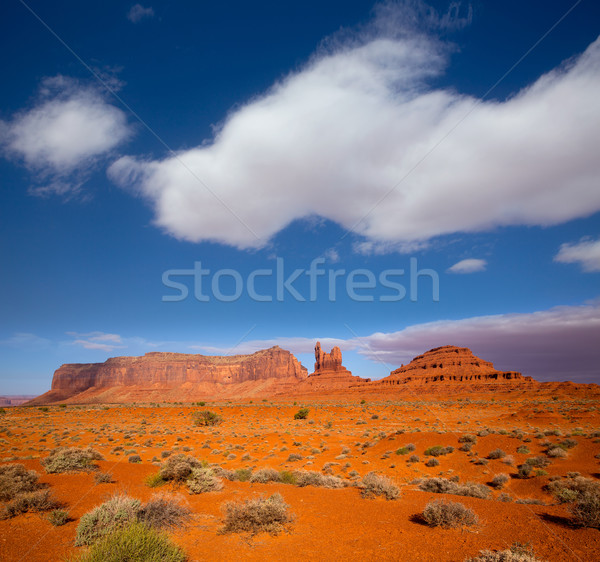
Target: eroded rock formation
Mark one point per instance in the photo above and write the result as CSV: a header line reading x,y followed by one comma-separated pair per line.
x,y
450,364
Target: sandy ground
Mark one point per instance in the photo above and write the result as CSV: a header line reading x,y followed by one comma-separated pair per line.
x,y
346,438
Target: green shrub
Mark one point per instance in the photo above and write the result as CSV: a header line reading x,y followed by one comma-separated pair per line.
x,y
378,485
202,480
288,477
206,418
301,414
269,515
136,459
586,510
243,474
438,450
135,543
15,479
71,459
448,514
523,450
2,412
155,480
120,510
58,517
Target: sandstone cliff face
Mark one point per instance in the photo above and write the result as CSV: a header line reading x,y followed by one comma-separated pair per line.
x,y
450,364
173,370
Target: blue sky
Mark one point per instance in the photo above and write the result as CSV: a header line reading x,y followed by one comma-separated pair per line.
x,y
138,139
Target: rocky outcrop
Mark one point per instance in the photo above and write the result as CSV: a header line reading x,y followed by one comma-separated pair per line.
x,y
176,374
452,365
329,373
15,400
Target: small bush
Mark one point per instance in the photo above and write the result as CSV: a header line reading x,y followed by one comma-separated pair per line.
x,y
444,486
287,477
294,457
500,480
448,515
120,510
524,471
496,454
39,500
432,462
538,462
523,450
268,515
58,517
378,485
178,468
264,475
136,543
467,438
135,459
438,450
206,418
202,480
571,489
413,458
163,512
70,459
557,452
243,474
301,414
103,478
15,479
568,443
516,553
311,478
586,510
155,480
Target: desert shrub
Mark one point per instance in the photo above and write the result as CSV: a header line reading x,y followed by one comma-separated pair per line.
x,y
444,486
177,468
311,478
206,418
465,447
571,489
538,462
103,478
294,457
523,450
568,443
38,500
432,462
163,512
586,510
203,480
71,459
264,475
524,471
556,452
2,412
136,543
496,454
155,480
15,479
58,517
500,480
413,458
119,511
135,459
268,515
243,474
516,553
288,477
438,450
529,501
467,438
301,414
448,514
378,485
402,451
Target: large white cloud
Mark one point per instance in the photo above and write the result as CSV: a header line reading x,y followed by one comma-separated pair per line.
x,y
64,133
333,139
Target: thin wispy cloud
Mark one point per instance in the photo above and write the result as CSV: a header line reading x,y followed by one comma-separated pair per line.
x,y
586,253
344,138
99,341
470,265
138,13
62,136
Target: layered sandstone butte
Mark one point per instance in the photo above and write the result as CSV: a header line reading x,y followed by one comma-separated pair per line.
x,y
329,373
176,376
15,399
453,365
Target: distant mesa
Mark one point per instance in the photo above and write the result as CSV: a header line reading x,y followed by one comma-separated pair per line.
x,y
450,364
15,399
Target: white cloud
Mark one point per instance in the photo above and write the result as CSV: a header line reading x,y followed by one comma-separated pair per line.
x,y
586,253
62,136
139,12
98,341
26,340
333,139
471,265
